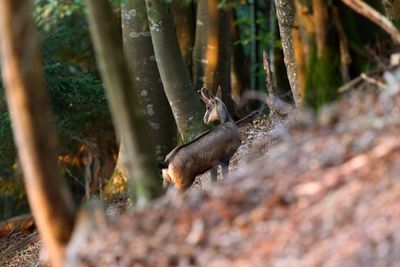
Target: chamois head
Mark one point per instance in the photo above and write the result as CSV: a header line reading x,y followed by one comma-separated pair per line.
x,y
215,108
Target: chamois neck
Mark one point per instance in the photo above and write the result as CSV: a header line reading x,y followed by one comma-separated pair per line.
x,y
224,114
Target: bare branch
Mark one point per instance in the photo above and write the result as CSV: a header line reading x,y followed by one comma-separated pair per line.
x,y
367,11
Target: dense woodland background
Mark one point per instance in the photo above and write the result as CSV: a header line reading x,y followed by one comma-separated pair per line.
x,y
103,61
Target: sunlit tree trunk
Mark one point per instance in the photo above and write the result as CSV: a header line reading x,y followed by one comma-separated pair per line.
x,y
205,53
321,25
185,105
139,54
285,14
130,123
299,58
29,107
213,49
303,40
184,18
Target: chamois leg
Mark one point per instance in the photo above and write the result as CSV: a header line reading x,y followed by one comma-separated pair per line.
x,y
225,166
213,173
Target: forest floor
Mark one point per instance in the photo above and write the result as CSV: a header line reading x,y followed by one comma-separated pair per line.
x,y
306,190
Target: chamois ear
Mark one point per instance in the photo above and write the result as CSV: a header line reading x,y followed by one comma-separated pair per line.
x,y
219,93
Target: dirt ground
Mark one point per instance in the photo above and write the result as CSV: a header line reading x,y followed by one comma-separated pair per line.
x,y
306,190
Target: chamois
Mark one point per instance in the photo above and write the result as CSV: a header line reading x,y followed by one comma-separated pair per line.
x,y
208,150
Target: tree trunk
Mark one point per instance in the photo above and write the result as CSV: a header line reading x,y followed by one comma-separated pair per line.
x,y
29,107
307,28
323,75
184,19
213,49
143,178
225,57
175,77
139,54
321,25
205,54
392,11
285,14
299,58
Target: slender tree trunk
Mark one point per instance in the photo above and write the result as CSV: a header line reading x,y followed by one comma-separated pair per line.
x,y
139,54
205,54
323,74
299,58
321,25
184,18
175,77
285,15
253,44
143,178
345,58
213,49
306,27
237,66
29,107
225,57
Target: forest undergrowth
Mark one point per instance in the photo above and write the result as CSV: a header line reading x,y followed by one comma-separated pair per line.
x,y
306,190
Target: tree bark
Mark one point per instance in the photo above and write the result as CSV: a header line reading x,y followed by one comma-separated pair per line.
x,y
200,61
139,55
29,107
321,25
184,19
213,50
285,14
392,11
223,78
175,77
143,179
307,28
299,58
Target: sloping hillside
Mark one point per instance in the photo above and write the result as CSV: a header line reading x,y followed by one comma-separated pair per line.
x,y
326,193
307,190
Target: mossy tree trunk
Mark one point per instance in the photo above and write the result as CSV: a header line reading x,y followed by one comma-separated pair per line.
x,y
139,55
323,74
143,178
29,107
185,105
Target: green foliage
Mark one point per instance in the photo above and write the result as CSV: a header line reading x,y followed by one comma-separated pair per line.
x,y
76,92
323,79
64,32
76,96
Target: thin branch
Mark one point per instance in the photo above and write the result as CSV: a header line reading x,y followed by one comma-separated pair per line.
x,y
270,78
367,11
345,58
373,81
